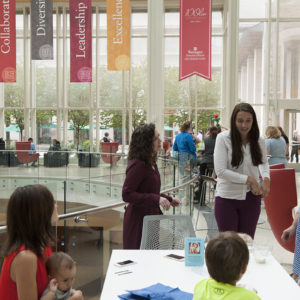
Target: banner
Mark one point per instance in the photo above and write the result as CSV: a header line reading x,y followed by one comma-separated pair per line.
x,y
7,41
41,29
80,40
118,34
195,38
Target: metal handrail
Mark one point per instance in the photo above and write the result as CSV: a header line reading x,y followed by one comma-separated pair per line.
x,y
110,206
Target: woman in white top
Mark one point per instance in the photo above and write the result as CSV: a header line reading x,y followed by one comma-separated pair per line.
x,y
240,159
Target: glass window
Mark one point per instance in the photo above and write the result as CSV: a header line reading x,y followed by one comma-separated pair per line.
x,y
289,9
254,8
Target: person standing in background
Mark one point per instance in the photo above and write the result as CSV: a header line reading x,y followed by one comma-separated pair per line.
x,y
295,140
286,139
276,146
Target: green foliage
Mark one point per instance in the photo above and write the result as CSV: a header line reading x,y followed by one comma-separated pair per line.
x,y
78,119
44,117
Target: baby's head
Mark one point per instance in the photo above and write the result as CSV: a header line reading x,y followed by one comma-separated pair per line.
x,y
62,267
226,257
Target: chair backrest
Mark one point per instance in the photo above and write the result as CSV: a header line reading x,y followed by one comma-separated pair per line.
x,y
24,156
23,146
277,166
166,231
280,202
110,148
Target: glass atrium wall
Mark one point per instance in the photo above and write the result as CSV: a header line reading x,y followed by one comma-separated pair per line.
x,y
45,104
268,63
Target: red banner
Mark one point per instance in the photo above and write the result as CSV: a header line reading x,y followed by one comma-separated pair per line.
x,y
80,40
195,38
7,41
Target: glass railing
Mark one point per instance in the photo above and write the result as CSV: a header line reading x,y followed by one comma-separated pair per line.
x,y
90,206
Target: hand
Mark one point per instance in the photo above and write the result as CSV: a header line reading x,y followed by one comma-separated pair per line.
x,y
288,234
76,295
164,203
175,202
254,186
265,187
53,285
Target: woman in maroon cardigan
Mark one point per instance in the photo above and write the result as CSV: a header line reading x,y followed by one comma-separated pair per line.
x,y
141,189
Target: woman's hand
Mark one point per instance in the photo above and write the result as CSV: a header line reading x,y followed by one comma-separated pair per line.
x,y
265,187
288,233
175,202
254,186
164,203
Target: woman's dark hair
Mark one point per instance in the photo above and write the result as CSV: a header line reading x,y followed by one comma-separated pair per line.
x,y
253,137
226,257
213,131
141,144
186,126
29,213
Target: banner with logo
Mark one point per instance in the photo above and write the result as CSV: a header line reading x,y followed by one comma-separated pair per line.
x,y
7,41
118,34
195,38
41,29
80,40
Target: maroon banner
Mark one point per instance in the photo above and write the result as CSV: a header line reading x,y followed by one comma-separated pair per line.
x,y
80,40
195,38
7,41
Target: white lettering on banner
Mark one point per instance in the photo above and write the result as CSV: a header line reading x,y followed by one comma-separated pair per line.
x,y
118,18
5,28
41,30
81,29
195,12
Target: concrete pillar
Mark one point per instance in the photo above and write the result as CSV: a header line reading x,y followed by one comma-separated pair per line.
x,y
257,84
250,79
155,104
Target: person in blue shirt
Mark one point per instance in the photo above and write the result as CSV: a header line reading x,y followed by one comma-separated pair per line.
x,y
184,143
33,150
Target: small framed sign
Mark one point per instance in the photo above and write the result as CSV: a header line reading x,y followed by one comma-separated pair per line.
x,y
194,251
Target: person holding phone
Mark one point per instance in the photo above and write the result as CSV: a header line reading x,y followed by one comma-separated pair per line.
x,y
141,189
240,157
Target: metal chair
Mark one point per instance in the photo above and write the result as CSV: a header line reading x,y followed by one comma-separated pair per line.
x,y
166,231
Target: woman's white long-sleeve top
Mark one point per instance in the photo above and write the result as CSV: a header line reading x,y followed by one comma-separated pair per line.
x,y
231,182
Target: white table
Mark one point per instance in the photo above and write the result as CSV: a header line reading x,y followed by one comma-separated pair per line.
x,y
270,280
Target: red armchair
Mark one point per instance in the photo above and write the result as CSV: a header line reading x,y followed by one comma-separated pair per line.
x,y
110,148
23,156
280,202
